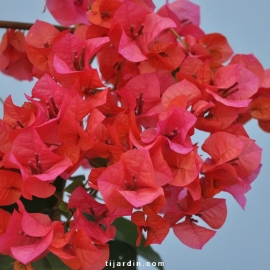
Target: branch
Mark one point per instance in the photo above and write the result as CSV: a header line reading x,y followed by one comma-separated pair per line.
x,y
181,40
25,26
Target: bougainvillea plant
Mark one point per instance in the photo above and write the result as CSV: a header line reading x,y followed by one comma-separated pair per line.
x,y
130,121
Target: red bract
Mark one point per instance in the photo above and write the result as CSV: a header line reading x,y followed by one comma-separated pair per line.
x,y
235,150
27,236
4,137
90,256
86,204
133,34
10,187
228,150
38,165
217,46
186,12
235,85
213,212
102,12
72,12
250,62
174,125
156,227
39,43
183,88
185,167
130,182
4,221
13,59
191,234
141,95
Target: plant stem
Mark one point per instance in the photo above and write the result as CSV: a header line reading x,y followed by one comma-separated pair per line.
x,y
180,39
119,74
25,26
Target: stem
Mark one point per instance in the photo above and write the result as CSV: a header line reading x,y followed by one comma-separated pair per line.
x,y
89,5
68,220
25,26
58,198
119,74
181,40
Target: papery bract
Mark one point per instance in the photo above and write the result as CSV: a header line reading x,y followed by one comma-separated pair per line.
x,y
72,12
157,228
24,247
36,163
192,235
135,185
10,187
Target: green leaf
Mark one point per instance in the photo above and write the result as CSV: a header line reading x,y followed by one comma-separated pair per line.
x,y
80,177
127,232
6,262
123,254
98,162
50,262
76,181
63,207
71,187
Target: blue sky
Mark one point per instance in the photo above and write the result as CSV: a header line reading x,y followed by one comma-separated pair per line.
x,y
244,241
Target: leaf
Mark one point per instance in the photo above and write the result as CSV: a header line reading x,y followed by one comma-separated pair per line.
x,y
6,262
76,181
122,252
126,231
63,207
50,262
98,162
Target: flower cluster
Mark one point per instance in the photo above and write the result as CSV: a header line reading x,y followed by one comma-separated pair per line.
x,y
160,80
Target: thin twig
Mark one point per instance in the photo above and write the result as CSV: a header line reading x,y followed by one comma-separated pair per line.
x,y
58,198
119,74
181,40
25,26
68,220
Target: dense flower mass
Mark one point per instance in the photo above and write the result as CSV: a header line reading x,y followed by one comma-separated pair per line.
x,y
160,78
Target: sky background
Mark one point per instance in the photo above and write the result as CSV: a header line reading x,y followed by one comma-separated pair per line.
x,y
244,240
